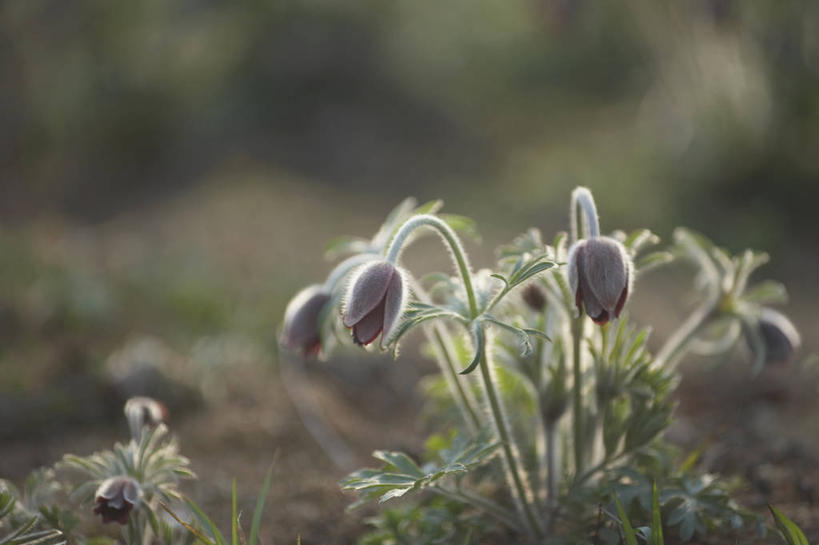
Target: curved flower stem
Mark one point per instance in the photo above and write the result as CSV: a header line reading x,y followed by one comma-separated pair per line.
x,y
673,349
459,256
577,393
582,199
505,437
452,240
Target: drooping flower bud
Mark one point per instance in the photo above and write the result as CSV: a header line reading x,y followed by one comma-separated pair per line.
x,y
533,297
116,497
779,335
375,302
144,412
599,275
301,330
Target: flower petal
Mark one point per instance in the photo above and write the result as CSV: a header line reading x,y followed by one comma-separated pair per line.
x,y
605,270
368,328
367,291
393,305
301,327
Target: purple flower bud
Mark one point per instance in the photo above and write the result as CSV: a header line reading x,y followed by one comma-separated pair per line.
x,y
301,329
599,275
534,298
144,412
779,335
116,497
375,302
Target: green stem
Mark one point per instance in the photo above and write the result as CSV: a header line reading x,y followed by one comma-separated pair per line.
x,y
551,461
577,394
673,349
459,255
588,227
439,337
587,474
490,507
506,444
436,333
452,240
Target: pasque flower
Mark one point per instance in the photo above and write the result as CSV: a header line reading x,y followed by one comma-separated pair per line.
x,y
144,412
779,336
375,302
301,329
599,275
116,497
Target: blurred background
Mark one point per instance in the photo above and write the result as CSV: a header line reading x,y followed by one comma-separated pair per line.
x,y
170,171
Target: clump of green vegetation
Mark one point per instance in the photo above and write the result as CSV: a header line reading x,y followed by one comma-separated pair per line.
x,y
558,405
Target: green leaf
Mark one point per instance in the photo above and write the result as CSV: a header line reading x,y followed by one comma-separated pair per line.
x,y
529,270
400,460
345,245
628,531
430,207
501,278
639,239
257,513
152,520
462,224
523,334
753,335
692,458
653,260
400,475
767,292
479,340
418,313
790,531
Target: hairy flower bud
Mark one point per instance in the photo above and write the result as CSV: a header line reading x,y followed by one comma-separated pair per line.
x,y
534,298
116,497
144,412
779,335
599,275
301,330
375,302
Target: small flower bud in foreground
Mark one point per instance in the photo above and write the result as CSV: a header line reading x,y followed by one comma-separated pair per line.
x,y
116,497
779,335
534,298
144,412
599,275
301,329
375,302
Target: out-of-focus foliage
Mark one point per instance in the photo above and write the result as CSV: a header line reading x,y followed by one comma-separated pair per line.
x,y
706,107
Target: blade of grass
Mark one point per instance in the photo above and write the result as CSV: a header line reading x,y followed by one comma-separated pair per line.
x,y
233,521
257,514
656,520
790,531
628,531
199,535
208,524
